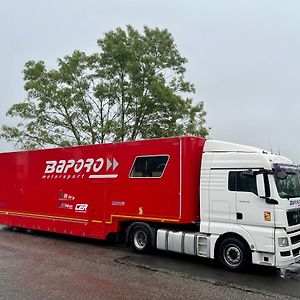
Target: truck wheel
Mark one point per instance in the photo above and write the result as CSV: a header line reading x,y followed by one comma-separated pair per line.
x,y
140,239
234,254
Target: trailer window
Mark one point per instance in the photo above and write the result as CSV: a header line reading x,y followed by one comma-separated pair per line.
x,y
241,183
149,166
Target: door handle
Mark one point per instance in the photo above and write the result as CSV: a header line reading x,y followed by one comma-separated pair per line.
x,y
239,216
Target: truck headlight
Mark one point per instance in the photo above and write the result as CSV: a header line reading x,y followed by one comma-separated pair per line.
x,y
283,242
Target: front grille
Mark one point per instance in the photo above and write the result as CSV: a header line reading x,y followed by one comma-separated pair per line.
x,y
295,239
293,216
296,251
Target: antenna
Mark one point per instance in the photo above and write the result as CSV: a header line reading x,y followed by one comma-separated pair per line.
x,y
278,147
270,146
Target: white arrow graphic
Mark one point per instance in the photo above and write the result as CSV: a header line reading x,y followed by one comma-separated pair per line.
x,y
108,164
115,164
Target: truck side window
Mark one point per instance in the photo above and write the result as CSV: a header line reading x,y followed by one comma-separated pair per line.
x,y
241,183
149,166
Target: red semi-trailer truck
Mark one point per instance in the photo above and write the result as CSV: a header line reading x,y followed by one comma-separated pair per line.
x,y
189,195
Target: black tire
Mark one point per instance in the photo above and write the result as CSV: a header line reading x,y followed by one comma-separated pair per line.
x,y
234,254
140,239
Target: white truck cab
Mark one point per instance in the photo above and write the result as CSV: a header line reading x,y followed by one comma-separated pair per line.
x,y
249,206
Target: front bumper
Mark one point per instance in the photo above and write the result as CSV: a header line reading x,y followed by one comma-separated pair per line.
x,y
285,256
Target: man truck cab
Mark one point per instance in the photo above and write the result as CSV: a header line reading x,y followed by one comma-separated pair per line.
x,y
249,205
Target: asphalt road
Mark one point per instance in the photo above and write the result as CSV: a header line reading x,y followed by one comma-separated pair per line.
x,y
41,265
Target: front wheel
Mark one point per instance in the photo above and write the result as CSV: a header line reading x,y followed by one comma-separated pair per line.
x,y
140,239
234,254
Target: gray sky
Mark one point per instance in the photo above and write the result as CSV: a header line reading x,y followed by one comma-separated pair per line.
x,y
244,56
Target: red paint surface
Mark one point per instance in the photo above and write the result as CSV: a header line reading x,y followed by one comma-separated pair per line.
x,y
29,200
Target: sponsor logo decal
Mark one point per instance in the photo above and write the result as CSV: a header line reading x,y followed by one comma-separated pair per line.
x,y
118,203
81,207
64,196
82,168
295,202
65,205
267,216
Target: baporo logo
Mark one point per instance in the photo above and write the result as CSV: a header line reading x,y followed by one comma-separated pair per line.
x,y
81,168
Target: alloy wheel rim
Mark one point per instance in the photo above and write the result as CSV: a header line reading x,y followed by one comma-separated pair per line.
x,y
140,239
233,255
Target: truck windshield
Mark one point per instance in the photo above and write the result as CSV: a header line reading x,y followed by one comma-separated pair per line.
x,y
288,187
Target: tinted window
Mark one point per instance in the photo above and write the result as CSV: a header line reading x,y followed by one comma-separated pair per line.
x,y
149,166
241,183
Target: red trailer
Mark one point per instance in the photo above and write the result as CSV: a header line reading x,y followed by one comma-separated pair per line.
x,y
152,192
98,190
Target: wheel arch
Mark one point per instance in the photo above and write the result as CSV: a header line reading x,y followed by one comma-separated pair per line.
x,y
229,235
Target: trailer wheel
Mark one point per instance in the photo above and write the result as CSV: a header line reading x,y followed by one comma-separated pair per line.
x,y
234,254
140,239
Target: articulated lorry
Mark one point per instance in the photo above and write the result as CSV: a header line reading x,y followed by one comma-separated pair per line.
x,y
229,202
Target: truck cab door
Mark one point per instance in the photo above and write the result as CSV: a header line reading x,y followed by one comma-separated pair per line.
x,y
253,214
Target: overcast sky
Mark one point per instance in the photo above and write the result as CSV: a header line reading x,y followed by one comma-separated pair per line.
x,y
243,56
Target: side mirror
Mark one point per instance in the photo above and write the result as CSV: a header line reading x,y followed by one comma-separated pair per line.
x,y
281,175
260,183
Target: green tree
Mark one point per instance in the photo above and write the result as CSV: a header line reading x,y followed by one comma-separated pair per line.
x,y
133,88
